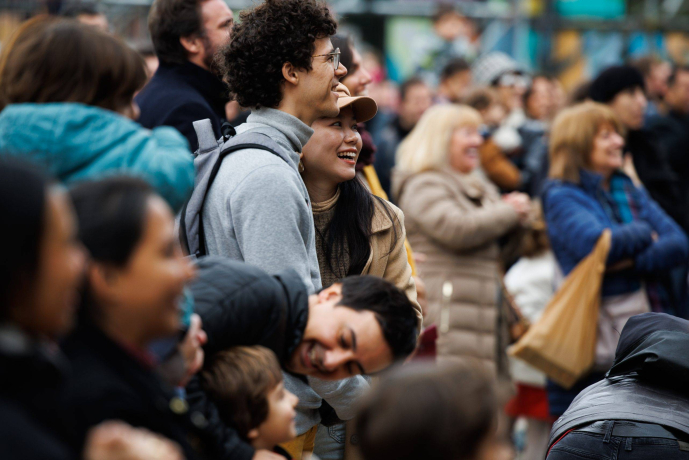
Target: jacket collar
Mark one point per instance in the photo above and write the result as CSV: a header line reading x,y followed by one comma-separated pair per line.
x,y
295,133
592,182
381,216
207,83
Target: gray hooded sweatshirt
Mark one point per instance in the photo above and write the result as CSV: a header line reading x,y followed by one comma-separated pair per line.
x,y
259,211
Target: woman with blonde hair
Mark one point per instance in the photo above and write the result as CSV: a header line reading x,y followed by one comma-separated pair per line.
x,y
455,216
588,193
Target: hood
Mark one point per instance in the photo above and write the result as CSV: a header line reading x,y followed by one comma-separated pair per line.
x,y
653,348
76,142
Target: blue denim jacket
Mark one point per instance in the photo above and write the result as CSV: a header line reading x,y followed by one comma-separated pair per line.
x,y
577,214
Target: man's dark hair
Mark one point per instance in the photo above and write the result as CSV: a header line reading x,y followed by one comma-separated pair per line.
x,y
268,36
74,10
454,67
170,20
408,84
391,307
429,411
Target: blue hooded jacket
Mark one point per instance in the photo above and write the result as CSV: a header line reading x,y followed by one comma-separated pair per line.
x,y
576,217
77,142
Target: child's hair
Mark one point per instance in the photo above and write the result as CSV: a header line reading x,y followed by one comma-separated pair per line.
x,y
428,411
238,381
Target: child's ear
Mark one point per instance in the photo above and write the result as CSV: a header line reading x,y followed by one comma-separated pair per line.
x,y
252,434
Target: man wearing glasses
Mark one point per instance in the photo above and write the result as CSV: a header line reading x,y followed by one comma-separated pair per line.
x,y
281,64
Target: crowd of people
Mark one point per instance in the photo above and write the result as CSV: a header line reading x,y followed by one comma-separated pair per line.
x,y
232,251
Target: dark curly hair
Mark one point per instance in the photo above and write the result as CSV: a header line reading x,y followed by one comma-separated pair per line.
x,y
273,33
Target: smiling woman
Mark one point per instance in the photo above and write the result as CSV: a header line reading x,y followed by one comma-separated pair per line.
x,y
356,232
455,217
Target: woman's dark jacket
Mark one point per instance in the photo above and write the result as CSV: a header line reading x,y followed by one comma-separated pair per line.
x,y
110,383
647,382
242,305
33,424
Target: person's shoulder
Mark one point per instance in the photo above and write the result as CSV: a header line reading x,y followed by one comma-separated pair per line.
x,y
22,437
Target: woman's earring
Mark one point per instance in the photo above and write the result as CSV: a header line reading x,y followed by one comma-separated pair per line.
x,y
301,166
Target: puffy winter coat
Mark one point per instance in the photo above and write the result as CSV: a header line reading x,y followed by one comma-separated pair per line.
x,y
76,142
242,305
576,217
455,220
647,382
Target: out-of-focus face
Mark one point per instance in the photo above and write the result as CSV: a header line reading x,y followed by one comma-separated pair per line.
x,y
317,88
451,26
657,80
418,99
331,153
677,96
280,425
96,20
49,310
217,21
339,341
630,106
540,101
606,156
357,79
464,145
456,87
511,88
147,292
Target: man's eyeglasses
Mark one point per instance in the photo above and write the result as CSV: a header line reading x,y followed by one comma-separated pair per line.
x,y
334,55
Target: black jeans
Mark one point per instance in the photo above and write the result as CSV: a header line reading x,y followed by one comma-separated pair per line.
x,y
603,442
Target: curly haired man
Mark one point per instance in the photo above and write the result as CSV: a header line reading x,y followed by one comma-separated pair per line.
x,y
281,64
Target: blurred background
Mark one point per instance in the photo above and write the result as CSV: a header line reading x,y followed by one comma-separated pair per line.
x,y
568,39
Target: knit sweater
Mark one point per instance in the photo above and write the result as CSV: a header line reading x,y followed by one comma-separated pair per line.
x,y
322,215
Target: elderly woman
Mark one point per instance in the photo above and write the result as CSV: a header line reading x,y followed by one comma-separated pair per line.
x,y
455,217
589,193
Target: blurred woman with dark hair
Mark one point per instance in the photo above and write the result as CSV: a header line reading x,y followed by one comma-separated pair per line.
x,y
66,94
133,295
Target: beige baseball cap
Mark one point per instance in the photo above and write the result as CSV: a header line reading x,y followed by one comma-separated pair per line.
x,y
364,107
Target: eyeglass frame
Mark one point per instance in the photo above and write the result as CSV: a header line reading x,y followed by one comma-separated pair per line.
x,y
336,57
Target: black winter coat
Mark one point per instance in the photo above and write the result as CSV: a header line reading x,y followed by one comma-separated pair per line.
x,y
179,95
242,305
655,172
672,131
647,382
33,424
109,383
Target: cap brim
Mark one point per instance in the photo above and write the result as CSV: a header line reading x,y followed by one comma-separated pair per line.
x,y
364,107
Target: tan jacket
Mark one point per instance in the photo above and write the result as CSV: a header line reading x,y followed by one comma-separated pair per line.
x,y
388,257
455,220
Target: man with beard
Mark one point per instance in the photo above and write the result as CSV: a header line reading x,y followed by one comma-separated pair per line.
x,y
186,35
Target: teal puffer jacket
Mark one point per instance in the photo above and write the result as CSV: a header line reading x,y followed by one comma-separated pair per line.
x,y
77,142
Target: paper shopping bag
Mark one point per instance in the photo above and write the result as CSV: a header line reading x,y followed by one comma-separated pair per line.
x,y
562,342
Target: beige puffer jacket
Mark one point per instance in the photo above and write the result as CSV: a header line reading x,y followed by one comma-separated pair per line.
x,y
455,220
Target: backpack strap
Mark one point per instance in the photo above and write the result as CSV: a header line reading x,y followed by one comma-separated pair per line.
x,y
200,202
205,135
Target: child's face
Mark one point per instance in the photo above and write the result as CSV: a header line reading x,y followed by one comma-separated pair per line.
x,y
279,426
